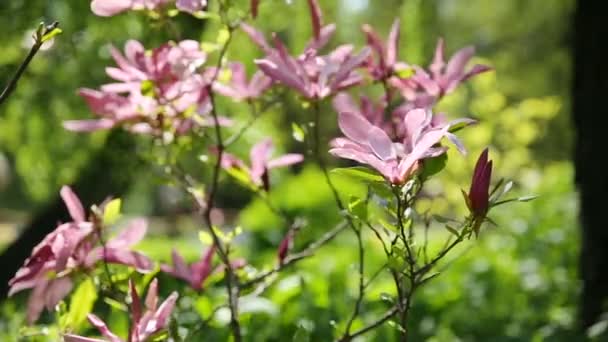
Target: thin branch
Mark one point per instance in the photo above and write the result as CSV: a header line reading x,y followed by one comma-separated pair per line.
x,y
385,317
231,280
38,41
293,258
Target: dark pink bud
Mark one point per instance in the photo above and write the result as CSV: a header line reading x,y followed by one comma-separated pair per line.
x,y
479,194
285,246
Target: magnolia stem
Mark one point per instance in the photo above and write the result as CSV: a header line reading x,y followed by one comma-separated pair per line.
x,y
231,279
12,84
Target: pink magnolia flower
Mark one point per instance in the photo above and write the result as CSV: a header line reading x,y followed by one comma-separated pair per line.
x,y
108,8
69,247
479,196
147,319
441,78
396,161
312,75
238,88
260,162
194,274
153,91
385,62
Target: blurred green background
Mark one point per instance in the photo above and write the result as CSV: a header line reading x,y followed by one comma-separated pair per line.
x,y
519,283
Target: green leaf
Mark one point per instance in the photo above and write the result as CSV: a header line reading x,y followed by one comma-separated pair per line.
x,y
147,88
358,207
242,177
81,304
433,166
111,211
359,172
223,35
205,238
298,133
527,198
452,230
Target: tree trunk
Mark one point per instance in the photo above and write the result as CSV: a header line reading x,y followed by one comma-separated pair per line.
x,y
109,173
589,92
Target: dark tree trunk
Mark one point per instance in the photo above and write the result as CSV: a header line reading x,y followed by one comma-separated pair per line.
x,y
589,97
109,173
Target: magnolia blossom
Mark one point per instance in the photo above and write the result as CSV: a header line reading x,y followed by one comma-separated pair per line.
x,y
153,91
108,8
441,78
147,318
260,162
312,75
395,160
238,88
70,247
385,62
194,274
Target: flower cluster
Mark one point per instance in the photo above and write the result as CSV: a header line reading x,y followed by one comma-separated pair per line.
x,y
147,320
73,246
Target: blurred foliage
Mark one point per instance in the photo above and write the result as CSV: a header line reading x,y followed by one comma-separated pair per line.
x,y
518,284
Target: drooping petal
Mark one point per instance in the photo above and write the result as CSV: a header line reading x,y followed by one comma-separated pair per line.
x,y
56,290
190,6
103,328
136,307
129,236
72,203
152,296
285,160
126,257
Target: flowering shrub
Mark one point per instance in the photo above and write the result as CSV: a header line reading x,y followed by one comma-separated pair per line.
x,y
171,91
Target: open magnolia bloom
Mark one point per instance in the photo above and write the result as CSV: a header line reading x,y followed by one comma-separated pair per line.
x,y
440,78
238,88
73,246
153,91
312,75
261,162
395,160
147,320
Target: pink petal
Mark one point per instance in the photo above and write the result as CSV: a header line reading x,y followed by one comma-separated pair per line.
x,y
438,60
285,160
88,125
456,64
163,313
132,234
343,102
190,6
180,267
76,338
354,126
420,150
108,8
103,328
256,36
56,291
128,258
72,203
152,296
392,47
316,18
259,155
380,143
317,43
284,75
136,308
